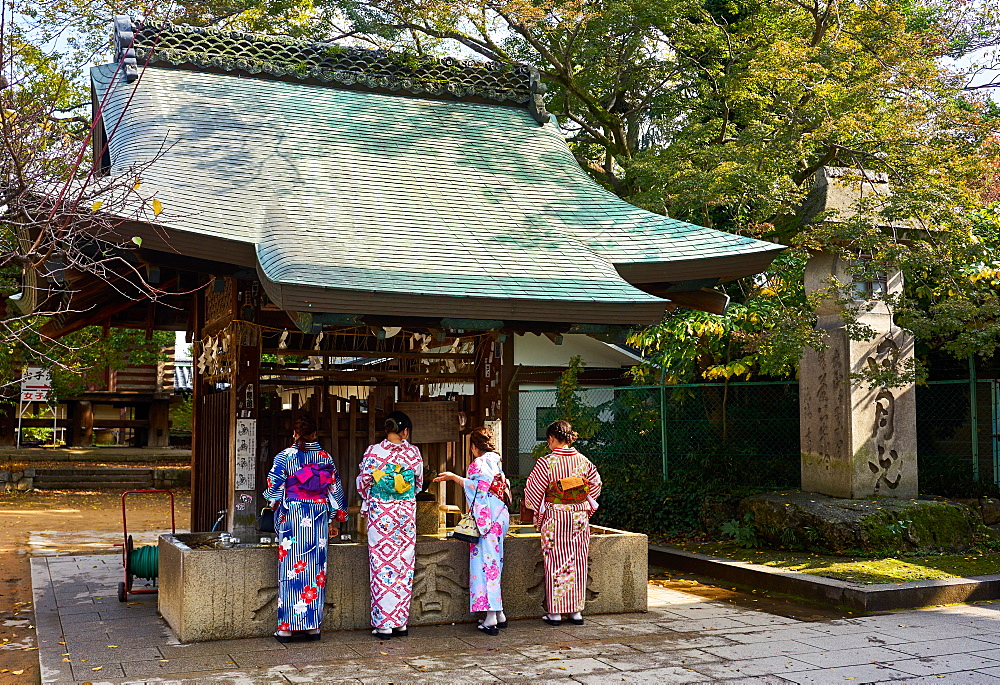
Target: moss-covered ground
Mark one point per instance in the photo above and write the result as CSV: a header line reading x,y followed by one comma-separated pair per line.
x,y
858,569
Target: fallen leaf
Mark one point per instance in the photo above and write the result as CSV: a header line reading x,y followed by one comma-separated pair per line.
x,y
96,668
112,646
65,660
19,672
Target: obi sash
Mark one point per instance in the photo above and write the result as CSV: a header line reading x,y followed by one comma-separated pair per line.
x,y
311,482
554,494
393,482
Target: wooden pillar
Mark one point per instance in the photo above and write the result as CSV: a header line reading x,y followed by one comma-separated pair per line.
x,y
245,482
159,424
81,424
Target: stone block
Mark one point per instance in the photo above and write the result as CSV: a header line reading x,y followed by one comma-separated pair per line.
x,y
990,509
876,526
17,475
857,441
4,476
215,594
29,473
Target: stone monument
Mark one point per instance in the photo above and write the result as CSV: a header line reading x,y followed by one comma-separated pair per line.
x,y
856,441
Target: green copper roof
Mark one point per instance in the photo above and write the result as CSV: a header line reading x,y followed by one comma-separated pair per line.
x,y
362,202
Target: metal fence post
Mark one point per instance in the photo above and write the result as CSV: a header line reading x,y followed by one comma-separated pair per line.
x,y
974,416
663,429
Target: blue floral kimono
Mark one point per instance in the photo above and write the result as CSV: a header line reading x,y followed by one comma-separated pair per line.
x,y
301,522
490,512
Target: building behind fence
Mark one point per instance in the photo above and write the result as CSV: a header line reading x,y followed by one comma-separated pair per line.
x,y
746,434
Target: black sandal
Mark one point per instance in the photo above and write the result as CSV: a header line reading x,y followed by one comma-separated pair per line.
x,y
576,621
551,622
382,636
400,632
489,630
502,624
284,639
312,637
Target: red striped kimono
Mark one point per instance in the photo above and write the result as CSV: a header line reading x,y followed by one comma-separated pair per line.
x,y
565,528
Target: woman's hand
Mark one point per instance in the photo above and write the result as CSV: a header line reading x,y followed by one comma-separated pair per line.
x,y
334,532
448,475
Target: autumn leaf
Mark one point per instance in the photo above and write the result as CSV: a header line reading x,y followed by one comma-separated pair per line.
x,y
157,207
97,205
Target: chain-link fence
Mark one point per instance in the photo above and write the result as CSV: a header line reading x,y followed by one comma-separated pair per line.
x,y
743,434
718,436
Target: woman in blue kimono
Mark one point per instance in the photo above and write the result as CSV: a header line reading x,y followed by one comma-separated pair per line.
x,y
304,489
487,493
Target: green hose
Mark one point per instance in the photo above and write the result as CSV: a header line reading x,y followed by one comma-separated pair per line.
x,y
145,562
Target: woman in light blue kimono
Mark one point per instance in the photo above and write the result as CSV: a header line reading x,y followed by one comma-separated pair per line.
x,y
487,493
306,493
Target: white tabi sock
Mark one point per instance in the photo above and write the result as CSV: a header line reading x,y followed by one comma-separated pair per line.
x,y
501,617
577,616
491,619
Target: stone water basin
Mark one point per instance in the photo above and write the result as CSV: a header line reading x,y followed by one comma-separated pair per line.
x,y
208,593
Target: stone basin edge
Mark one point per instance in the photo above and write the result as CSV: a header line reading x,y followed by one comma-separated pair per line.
x,y
838,594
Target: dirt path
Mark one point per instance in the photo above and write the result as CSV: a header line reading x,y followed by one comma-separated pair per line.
x,y
58,523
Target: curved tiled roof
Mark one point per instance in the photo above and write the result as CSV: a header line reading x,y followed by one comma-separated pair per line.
x,y
352,201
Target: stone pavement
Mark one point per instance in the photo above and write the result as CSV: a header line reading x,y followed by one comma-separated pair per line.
x,y
86,635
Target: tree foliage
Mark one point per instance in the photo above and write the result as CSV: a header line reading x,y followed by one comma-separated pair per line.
x,y
720,112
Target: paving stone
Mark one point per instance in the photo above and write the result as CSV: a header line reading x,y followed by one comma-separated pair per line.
x,y
965,678
576,649
868,673
757,650
196,649
156,667
682,658
829,643
701,625
86,672
666,675
750,635
650,643
99,653
407,646
355,671
851,657
260,677
551,668
751,667
945,663
427,663
952,645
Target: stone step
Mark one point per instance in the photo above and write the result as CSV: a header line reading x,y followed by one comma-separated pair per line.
x,y
116,472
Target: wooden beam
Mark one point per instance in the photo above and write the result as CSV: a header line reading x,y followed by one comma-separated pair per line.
x,y
367,354
361,374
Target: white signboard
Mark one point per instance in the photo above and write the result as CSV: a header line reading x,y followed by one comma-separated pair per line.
x,y
246,454
35,384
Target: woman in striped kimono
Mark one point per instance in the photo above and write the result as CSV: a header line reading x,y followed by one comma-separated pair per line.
x,y
562,489
486,489
304,489
390,476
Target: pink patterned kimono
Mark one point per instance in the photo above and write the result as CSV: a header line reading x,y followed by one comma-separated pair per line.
x,y
389,479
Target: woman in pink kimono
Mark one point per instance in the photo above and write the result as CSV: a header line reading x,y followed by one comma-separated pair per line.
x,y
562,489
391,474
487,493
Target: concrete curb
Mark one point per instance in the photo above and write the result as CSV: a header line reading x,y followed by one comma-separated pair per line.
x,y
840,594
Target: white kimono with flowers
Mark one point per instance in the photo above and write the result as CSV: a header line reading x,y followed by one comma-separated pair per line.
x,y
490,512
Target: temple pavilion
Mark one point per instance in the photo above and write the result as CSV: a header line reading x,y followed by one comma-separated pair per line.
x,y
347,231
